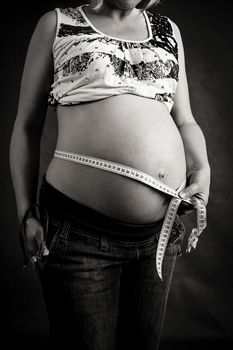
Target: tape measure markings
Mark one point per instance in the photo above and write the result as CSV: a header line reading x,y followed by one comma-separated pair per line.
x,y
154,183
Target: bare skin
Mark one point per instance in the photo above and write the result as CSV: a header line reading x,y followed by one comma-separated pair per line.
x,y
115,129
127,129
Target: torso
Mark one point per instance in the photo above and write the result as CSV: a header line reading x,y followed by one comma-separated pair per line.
x,y
127,129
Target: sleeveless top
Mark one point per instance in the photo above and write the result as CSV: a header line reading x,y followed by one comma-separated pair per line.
x,y
90,65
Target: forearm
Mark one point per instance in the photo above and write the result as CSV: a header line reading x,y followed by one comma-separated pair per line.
x,y
24,167
194,146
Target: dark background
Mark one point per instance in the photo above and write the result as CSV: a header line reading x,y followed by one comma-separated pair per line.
x,y
199,312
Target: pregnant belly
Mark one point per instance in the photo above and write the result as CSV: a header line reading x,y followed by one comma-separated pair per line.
x,y
140,135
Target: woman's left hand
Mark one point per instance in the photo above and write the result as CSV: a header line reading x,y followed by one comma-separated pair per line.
x,y
198,186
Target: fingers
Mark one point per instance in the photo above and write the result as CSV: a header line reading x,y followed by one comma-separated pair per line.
x,y
35,242
194,191
32,246
45,250
189,191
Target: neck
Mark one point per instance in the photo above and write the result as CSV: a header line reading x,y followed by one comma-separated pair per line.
x,y
118,14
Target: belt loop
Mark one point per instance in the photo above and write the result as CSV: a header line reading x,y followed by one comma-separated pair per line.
x,y
103,244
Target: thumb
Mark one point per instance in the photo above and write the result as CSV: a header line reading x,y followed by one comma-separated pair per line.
x,y
45,250
41,241
189,191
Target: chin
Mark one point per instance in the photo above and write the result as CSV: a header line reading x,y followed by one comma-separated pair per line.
x,y
125,4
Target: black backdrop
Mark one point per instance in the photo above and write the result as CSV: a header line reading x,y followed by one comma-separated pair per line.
x,y
201,298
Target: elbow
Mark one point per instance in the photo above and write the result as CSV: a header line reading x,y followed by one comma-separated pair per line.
x,y
187,124
22,134
183,118
27,129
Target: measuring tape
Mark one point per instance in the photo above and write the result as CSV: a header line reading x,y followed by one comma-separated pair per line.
x,y
156,184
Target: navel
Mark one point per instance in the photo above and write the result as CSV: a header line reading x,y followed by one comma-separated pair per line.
x,y
162,174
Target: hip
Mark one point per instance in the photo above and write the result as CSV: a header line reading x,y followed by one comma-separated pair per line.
x,y
72,229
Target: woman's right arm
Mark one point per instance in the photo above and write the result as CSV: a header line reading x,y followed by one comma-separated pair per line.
x,y
32,106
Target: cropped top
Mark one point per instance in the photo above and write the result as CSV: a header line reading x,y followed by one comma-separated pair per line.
x,y
90,65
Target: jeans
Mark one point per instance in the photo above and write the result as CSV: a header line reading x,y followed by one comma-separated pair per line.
x,y
103,293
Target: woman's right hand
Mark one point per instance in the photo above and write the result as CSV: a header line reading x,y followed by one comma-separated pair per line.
x,y
35,238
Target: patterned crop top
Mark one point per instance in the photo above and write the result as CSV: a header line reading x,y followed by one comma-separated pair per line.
x,y
90,65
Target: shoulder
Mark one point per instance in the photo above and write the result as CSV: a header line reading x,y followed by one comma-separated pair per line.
x,y
169,23
44,32
69,15
160,24
69,12
176,29
61,17
177,35
48,21
45,28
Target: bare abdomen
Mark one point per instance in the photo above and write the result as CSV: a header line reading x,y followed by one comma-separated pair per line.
x,y
127,129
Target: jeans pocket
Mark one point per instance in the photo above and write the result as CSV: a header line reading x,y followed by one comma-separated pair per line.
x,y
176,238
55,231
177,233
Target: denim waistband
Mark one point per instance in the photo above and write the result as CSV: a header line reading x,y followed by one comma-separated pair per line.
x,y
61,205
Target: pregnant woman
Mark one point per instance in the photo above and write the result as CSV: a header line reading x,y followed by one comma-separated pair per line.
x,y
103,235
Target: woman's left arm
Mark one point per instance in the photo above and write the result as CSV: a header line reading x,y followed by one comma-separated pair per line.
x,y
198,169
